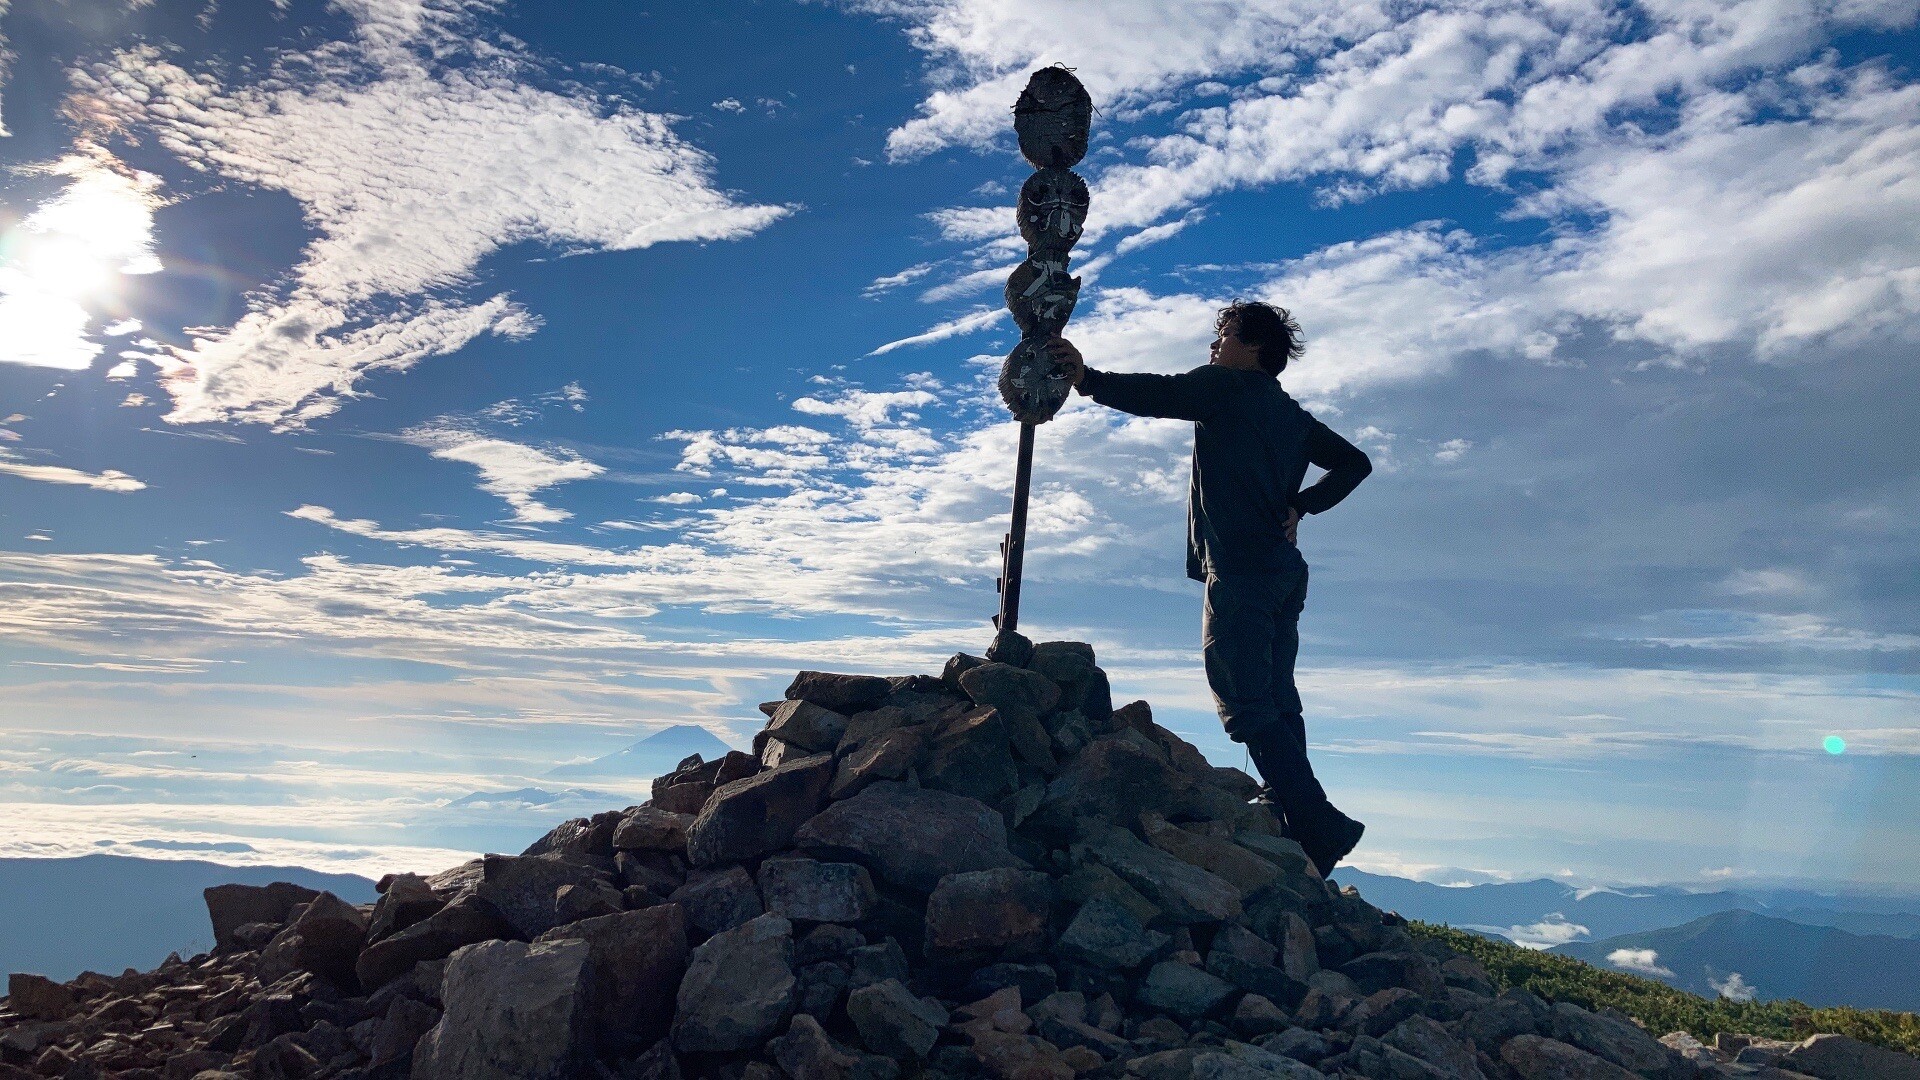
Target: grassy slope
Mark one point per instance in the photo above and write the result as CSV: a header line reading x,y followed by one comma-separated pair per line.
x,y
1661,1007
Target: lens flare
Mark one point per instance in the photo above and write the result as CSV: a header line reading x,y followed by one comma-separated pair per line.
x,y
1834,744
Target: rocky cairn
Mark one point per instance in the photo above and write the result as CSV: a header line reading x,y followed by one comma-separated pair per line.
x,y
992,874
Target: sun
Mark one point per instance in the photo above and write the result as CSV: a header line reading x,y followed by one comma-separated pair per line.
x,y
64,266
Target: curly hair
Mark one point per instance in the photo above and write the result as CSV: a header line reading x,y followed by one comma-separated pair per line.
x,y
1272,331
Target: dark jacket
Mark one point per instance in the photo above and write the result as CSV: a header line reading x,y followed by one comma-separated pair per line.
x,y
1251,447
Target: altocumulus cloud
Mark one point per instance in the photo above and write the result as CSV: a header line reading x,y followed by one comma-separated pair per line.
x,y
415,152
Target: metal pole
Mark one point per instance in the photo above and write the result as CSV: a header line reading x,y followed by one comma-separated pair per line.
x,y
1014,548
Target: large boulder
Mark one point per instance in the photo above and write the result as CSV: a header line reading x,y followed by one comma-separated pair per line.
x,y
1843,1057
806,1052
649,828
1222,858
894,1021
844,694
1184,893
326,939
972,756
758,815
1105,934
1022,697
1534,1058
910,837
405,900
1116,779
465,921
814,891
886,756
38,997
525,889
513,1012
637,960
1186,992
1619,1041
986,913
806,725
232,906
738,988
718,900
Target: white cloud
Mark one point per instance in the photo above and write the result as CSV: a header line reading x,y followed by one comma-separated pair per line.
x,y
1733,987
105,480
1548,932
411,172
1452,450
513,471
1639,961
965,324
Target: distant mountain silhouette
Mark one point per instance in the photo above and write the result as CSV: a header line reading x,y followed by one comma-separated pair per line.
x,y
1513,909
533,796
1774,958
654,755
107,913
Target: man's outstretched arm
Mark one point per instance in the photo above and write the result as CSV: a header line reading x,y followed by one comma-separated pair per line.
x,y
1190,396
1346,466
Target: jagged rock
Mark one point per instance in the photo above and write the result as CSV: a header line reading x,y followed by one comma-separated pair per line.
x,y
886,756
582,838
1426,1039
637,960
1515,1012
806,725
1222,858
971,756
957,665
1842,1057
814,891
879,962
738,987
465,921
326,939
1017,1057
758,815
1535,1058
231,906
1184,991
1107,935
826,942
1322,1009
1244,1062
1067,664
685,798
844,694
1114,779
1091,881
1412,970
807,1053
719,900
649,828
405,900
513,1011
525,889
909,837
1255,1016
38,997
1618,1041
1021,697
893,1021
1184,893
989,913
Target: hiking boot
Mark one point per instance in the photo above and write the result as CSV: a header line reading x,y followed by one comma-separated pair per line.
x,y
1327,835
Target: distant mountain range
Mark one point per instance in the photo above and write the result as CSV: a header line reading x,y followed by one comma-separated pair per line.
x,y
533,796
1738,953
654,755
1544,912
106,913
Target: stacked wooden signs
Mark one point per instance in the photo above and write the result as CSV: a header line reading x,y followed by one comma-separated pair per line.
x,y
1052,120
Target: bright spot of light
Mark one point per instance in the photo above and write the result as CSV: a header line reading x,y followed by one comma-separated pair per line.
x,y
1834,744
68,256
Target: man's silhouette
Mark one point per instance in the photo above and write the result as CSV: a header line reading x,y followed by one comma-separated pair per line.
x,y
1252,444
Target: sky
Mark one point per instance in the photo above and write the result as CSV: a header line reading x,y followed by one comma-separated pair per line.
x,y
399,398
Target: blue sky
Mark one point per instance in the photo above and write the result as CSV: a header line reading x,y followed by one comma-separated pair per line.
x,y
401,397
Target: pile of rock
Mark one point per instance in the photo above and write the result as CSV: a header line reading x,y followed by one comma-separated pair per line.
x,y
990,874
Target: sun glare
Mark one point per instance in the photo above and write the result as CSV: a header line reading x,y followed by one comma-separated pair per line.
x,y
64,264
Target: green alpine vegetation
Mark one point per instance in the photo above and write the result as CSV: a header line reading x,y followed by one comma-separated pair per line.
x,y
1664,1009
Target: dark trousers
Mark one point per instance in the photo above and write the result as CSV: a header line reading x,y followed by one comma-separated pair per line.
x,y
1250,634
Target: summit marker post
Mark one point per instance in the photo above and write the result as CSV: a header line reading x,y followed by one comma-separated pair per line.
x,y
1053,120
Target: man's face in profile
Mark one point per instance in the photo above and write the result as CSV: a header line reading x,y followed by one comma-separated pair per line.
x,y
1228,350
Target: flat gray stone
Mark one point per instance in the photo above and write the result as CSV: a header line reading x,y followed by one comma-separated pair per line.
x,y
1000,913
1184,893
758,815
815,891
909,837
1184,991
1842,1057
894,1021
1106,935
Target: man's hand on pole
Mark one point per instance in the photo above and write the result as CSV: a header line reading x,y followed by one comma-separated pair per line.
x,y
1067,356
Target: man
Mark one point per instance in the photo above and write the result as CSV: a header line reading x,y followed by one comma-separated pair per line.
x,y
1251,447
